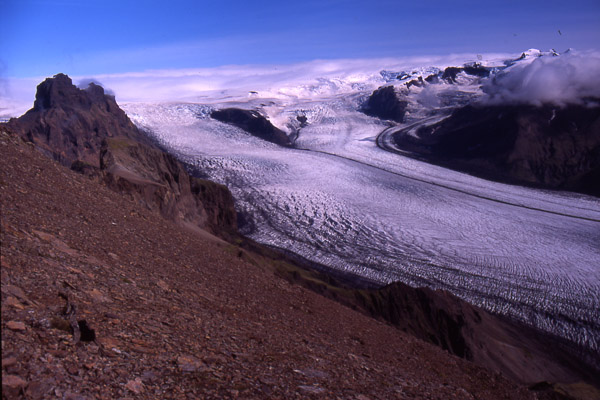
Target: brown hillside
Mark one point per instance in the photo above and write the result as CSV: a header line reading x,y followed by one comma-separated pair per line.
x,y
177,313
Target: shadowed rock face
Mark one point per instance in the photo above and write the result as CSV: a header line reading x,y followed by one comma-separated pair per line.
x,y
385,104
160,182
70,124
548,146
438,317
87,131
253,123
450,73
435,316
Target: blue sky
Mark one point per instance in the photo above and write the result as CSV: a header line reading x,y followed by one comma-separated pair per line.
x,y
87,37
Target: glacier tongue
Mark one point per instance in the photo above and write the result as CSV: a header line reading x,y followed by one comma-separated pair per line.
x,y
340,200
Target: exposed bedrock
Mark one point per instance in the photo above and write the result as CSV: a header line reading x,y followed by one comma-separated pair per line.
x,y
253,123
548,146
70,124
438,317
86,130
385,104
450,73
160,182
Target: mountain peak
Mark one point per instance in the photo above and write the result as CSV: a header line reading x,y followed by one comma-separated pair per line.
x,y
59,91
70,123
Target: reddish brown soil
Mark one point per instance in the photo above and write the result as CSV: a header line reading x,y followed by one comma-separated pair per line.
x,y
179,314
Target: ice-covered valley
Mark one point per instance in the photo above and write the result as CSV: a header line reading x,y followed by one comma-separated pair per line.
x,y
338,198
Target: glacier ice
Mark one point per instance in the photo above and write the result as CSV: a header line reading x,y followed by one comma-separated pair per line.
x,y
340,200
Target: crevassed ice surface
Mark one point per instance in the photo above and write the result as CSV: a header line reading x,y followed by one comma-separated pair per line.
x,y
340,200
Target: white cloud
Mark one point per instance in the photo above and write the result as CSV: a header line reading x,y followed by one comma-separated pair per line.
x,y
569,78
291,80
203,85
84,83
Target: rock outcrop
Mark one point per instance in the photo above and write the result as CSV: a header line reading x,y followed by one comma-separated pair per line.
x,y
253,123
385,104
157,180
178,315
547,146
478,70
87,131
519,352
70,124
450,74
435,316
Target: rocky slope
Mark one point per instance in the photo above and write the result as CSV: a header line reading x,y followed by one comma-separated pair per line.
x,y
158,181
45,208
86,129
518,352
521,353
547,146
178,314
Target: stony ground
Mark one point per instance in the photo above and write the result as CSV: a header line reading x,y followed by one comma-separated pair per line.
x,y
177,314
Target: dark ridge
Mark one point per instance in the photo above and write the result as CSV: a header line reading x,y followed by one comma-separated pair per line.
x,y
385,104
88,132
520,352
548,146
415,82
450,74
253,123
477,70
159,181
433,78
70,124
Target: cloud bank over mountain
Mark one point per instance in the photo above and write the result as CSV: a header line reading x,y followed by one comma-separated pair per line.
x,y
570,78
303,79
573,77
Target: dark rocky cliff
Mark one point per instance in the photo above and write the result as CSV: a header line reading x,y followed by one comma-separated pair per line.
x,y
160,182
385,104
86,130
253,123
548,146
436,316
70,124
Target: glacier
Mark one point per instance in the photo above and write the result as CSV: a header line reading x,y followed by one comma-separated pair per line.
x,y
341,198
